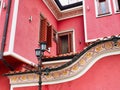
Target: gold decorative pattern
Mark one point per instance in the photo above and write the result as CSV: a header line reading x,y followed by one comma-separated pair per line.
x,y
118,43
82,62
89,54
65,72
76,68
109,45
98,48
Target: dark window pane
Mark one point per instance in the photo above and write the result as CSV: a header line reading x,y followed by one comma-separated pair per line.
x,y
119,4
102,0
64,44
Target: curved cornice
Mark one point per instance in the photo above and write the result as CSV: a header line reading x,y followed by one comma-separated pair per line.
x,y
79,65
83,63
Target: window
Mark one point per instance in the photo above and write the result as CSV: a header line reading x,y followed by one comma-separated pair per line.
x,y
117,5
65,42
67,4
102,7
46,32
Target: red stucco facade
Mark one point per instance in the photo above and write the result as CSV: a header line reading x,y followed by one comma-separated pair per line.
x,y
23,36
98,27
104,75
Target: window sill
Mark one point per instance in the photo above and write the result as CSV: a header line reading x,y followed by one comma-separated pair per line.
x,y
117,12
104,14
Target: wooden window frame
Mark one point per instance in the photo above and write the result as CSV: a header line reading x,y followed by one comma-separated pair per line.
x,y
70,41
99,8
54,35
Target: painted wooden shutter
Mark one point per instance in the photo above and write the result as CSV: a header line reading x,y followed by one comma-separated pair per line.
x,y
49,36
43,31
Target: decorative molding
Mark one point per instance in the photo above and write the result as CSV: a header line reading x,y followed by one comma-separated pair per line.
x,y
74,71
85,21
60,15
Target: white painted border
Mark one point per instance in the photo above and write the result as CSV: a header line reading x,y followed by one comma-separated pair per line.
x,y
23,85
70,17
22,59
13,27
19,57
109,6
57,61
114,6
72,30
1,6
85,21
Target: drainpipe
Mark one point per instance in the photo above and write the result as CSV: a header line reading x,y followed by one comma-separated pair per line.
x,y
4,36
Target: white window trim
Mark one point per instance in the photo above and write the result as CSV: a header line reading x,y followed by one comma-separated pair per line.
x,y
96,9
74,49
1,6
115,8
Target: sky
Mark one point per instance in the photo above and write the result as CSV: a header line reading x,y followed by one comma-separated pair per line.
x,y
66,2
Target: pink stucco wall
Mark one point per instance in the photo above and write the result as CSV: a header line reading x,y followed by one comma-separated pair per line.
x,y
27,33
99,27
103,75
77,25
